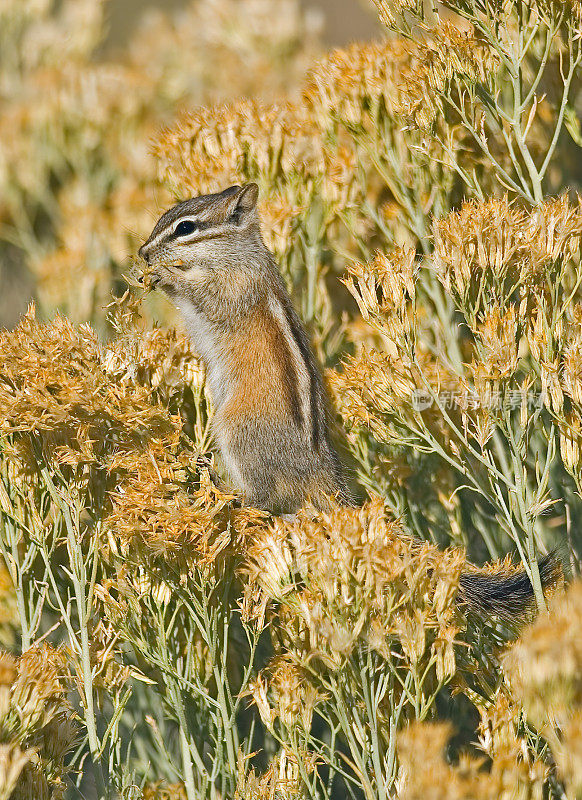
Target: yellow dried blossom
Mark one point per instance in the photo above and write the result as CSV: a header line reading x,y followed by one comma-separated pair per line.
x,y
384,286
372,385
493,251
572,370
362,577
571,442
12,761
352,84
398,77
379,390
213,147
402,79
369,98
9,618
430,777
568,754
498,345
91,407
36,723
503,737
161,359
284,692
455,53
279,218
163,502
496,357
279,782
54,385
538,334
552,393
544,667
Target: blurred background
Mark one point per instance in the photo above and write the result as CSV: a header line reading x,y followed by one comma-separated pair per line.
x,y
342,20
76,191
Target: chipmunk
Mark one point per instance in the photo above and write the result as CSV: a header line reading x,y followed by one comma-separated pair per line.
x,y
271,422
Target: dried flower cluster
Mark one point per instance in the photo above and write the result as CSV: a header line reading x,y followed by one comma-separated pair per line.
x,y
543,669
55,388
348,580
166,504
510,777
212,146
489,251
37,727
544,665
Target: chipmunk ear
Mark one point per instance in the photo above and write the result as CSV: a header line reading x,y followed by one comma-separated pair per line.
x,y
244,202
248,196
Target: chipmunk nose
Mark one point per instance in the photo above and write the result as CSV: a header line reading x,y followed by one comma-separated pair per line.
x,y
143,253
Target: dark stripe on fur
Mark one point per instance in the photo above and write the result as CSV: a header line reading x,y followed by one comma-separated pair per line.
x,y
314,394
288,374
505,595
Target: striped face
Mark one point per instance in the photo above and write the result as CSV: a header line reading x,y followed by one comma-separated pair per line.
x,y
198,231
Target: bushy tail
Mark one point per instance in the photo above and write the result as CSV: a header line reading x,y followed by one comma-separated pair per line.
x,y
506,595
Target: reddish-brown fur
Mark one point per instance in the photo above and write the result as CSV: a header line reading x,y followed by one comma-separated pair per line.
x,y
259,362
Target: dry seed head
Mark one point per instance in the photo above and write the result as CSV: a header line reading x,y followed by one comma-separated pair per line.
x,y
538,333
410,630
35,714
284,692
359,84
384,286
38,692
496,356
12,761
500,248
453,52
380,390
510,777
352,84
373,386
568,754
160,359
279,782
447,60
214,147
570,426
165,505
351,574
55,385
572,370
544,667
443,649
501,728
279,216
552,393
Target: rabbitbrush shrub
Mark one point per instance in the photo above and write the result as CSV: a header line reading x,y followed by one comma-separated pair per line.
x,y
420,195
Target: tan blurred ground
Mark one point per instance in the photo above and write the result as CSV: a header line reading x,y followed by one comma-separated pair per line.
x,y
344,20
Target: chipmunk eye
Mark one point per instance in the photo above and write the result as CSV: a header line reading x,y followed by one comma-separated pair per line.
x,y
185,227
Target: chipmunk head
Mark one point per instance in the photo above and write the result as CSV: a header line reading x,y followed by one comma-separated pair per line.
x,y
201,234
